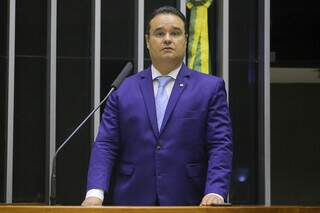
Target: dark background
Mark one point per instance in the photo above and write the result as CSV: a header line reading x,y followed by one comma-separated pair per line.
x,y
295,136
3,86
243,90
295,144
30,101
295,33
74,59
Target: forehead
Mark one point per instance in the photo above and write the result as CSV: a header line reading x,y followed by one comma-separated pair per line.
x,y
166,20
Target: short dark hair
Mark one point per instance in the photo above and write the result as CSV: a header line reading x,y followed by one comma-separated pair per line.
x,y
166,10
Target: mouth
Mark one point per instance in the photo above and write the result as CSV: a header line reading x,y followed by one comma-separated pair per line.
x,y
167,49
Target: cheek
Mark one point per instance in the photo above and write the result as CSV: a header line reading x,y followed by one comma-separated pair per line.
x,y
153,45
153,49
182,45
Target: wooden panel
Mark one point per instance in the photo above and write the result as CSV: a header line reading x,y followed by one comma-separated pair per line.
x,y
196,209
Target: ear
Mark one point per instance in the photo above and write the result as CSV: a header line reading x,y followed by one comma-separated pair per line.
x,y
186,37
147,40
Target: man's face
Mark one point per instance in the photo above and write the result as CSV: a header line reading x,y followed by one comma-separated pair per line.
x,y
167,39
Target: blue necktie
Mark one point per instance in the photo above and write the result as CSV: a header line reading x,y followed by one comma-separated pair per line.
x,y
161,98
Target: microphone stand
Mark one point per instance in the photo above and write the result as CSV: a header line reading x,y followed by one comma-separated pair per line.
x,y
53,172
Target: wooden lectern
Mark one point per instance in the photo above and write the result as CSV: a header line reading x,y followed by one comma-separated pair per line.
x,y
152,209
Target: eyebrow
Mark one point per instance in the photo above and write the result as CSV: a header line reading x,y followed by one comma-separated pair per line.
x,y
160,28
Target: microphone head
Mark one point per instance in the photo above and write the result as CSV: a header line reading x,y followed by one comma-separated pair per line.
x,y
122,75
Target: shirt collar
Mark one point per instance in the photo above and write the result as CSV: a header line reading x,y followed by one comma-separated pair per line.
x,y
173,74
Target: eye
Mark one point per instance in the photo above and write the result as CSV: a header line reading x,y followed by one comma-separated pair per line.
x,y
175,33
158,34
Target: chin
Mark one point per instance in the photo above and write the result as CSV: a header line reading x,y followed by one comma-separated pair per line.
x,y
167,57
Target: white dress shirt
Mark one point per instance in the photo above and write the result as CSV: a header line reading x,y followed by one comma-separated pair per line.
x,y
169,86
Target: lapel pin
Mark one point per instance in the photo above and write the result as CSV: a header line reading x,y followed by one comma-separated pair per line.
x,y
181,85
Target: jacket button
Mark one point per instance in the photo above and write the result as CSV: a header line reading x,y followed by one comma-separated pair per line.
x,y
158,147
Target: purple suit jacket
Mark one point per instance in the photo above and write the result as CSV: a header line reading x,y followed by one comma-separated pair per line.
x,y
189,157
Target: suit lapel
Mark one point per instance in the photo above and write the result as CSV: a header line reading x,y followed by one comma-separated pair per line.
x,y
178,88
146,87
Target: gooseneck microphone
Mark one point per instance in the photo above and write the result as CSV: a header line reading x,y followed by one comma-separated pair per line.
x,y
122,75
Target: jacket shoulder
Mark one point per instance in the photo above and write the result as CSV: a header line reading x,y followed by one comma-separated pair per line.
x,y
206,77
132,80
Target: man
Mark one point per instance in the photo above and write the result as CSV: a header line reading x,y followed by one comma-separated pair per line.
x,y
166,132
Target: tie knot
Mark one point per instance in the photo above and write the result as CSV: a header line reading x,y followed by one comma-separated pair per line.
x,y
163,80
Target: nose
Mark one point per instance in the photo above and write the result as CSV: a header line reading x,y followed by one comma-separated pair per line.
x,y
167,38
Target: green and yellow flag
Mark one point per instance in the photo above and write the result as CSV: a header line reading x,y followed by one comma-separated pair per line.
x,y
198,47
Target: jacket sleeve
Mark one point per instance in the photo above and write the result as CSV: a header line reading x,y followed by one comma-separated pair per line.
x,y
105,148
219,143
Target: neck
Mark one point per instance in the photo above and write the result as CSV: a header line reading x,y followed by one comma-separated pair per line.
x,y
165,68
